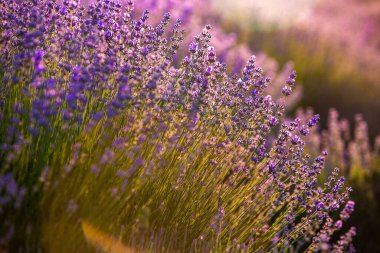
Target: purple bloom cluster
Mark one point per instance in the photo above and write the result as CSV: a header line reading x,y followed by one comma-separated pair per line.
x,y
194,14
95,111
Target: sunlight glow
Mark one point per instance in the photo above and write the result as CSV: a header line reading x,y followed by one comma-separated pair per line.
x,y
276,13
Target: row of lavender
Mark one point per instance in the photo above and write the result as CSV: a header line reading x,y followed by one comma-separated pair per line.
x,y
103,124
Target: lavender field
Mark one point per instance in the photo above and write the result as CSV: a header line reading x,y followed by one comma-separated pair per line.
x,y
157,126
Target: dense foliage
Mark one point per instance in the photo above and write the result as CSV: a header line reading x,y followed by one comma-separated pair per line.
x,y
102,131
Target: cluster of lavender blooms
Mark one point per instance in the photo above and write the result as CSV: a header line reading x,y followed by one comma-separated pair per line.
x,y
231,52
193,15
100,127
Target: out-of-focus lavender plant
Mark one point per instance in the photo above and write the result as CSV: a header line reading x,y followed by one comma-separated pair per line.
x,y
360,163
358,23
100,127
352,154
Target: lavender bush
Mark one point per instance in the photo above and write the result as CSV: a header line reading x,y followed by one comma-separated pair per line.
x,y
103,139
